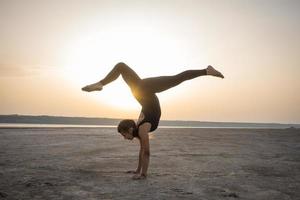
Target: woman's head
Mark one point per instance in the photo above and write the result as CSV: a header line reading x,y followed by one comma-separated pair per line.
x,y
126,127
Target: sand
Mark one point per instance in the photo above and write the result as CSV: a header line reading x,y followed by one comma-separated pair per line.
x,y
90,163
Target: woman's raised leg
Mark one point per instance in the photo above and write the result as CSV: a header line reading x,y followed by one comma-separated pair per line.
x,y
162,83
129,76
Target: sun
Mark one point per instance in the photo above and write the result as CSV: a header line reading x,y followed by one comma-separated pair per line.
x,y
118,95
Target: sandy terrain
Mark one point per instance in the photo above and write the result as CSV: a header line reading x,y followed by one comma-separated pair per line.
x,y
89,163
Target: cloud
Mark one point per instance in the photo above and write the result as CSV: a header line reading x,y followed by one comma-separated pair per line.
x,y
14,70
8,70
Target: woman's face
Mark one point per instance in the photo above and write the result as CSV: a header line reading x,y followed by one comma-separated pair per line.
x,y
128,135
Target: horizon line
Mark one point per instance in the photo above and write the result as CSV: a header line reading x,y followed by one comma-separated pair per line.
x,y
177,120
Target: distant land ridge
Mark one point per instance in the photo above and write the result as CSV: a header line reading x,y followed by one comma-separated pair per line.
x,y
45,119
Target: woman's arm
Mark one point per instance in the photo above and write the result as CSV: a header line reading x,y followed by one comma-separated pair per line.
x,y
138,170
141,117
144,150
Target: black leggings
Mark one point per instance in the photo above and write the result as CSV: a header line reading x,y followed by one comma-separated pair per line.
x,y
153,85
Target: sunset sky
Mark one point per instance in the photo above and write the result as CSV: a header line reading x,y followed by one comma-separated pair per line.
x,y
50,49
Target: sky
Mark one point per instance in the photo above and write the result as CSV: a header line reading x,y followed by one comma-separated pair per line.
x,y
51,48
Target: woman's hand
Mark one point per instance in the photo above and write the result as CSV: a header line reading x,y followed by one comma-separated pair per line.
x,y
139,177
132,172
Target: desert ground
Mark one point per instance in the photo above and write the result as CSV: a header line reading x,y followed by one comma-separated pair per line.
x,y
185,163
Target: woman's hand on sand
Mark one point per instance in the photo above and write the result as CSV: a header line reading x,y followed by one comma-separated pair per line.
x,y
132,172
139,177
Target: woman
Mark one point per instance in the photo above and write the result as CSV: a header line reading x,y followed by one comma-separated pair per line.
x,y
144,91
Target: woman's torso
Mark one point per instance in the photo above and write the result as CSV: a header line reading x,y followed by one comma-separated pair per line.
x,y
150,105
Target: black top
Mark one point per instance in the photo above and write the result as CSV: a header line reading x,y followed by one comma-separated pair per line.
x,y
150,108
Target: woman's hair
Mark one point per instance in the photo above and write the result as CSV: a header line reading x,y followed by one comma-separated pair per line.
x,y
126,124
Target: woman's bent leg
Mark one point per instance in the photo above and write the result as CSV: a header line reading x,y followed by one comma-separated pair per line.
x,y
162,83
129,76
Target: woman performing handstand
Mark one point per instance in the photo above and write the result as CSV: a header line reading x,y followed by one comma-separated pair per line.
x,y
144,92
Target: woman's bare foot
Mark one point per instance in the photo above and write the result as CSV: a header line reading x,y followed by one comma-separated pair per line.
x,y
211,71
93,87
